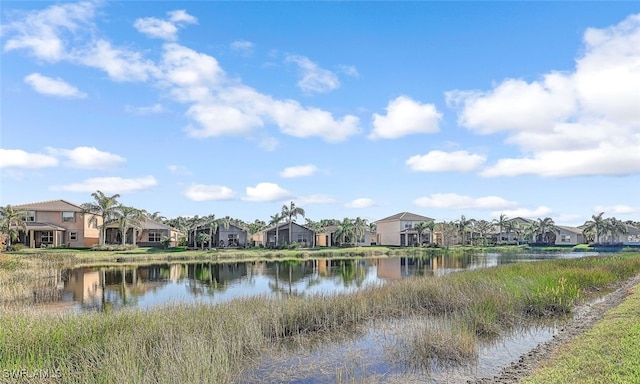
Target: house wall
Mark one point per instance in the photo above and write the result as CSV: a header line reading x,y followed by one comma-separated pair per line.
x,y
223,235
568,238
388,232
91,235
85,235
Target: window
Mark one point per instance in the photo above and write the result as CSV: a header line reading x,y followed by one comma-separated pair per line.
x,y
302,238
155,237
46,237
407,225
73,235
31,216
565,239
232,239
68,216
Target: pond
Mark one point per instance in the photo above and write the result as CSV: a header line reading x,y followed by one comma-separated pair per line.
x,y
110,288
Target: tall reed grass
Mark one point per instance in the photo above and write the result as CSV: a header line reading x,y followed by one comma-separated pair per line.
x,y
215,343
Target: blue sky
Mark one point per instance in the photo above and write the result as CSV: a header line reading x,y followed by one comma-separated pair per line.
x,y
347,108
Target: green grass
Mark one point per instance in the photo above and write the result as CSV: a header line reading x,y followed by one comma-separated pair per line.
x,y
607,353
214,343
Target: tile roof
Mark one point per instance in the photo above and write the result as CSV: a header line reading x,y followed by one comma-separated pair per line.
x,y
406,216
50,206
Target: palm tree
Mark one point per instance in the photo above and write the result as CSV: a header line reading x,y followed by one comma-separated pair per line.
x,y
129,217
214,224
501,222
156,216
345,230
276,220
360,227
431,226
421,227
291,213
316,227
546,226
105,207
484,227
616,228
597,224
11,221
462,224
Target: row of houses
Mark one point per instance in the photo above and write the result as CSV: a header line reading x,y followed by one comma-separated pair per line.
x,y
59,223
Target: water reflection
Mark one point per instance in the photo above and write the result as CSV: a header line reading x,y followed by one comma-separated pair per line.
x,y
112,288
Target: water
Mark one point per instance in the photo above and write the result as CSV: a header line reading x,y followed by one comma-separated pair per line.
x,y
99,288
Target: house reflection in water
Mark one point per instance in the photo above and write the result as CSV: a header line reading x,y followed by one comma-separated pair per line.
x,y
396,268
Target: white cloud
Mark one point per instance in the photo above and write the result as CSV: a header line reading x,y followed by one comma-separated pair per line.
x,y
179,169
55,87
164,29
149,110
439,161
17,158
619,209
181,16
41,32
299,171
586,122
200,192
405,117
456,201
110,185
242,46
621,159
266,192
313,78
362,202
349,70
157,28
88,157
269,144
120,64
315,199
541,211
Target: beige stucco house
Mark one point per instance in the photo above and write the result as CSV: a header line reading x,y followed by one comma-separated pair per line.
x,y
399,229
58,223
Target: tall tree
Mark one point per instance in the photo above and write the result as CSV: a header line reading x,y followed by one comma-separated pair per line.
x,y
420,228
501,222
360,227
11,222
484,227
616,228
276,220
597,224
291,212
104,207
462,225
546,227
345,230
129,218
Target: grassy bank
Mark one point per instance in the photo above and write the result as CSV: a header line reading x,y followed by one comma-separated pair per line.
x,y
202,343
607,353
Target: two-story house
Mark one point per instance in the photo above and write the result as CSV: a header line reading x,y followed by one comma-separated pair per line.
x,y
399,229
58,223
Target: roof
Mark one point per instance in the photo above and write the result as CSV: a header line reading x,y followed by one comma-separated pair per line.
x,y
575,230
521,219
50,206
405,216
286,226
35,226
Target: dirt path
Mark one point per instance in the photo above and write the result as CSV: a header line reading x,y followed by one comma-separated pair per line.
x,y
586,316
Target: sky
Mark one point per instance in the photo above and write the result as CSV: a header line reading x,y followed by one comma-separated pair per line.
x,y
349,109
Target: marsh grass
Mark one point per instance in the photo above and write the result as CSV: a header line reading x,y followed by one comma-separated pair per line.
x,y
216,343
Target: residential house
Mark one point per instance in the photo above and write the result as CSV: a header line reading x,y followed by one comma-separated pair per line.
x,y
150,235
58,223
231,236
328,238
566,235
399,229
299,234
632,237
